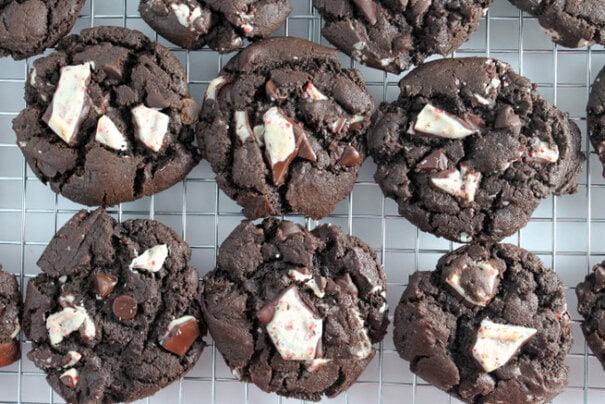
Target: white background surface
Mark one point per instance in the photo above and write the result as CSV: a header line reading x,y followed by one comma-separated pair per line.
x,y
568,233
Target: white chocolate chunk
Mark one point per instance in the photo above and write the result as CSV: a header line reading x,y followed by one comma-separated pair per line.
x,y
184,15
73,358
32,77
364,348
151,260
213,87
465,237
16,330
71,376
489,276
435,121
541,150
482,100
497,343
242,126
316,364
300,275
109,134
313,93
279,136
151,126
461,184
70,101
554,35
68,320
259,134
494,84
582,43
294,329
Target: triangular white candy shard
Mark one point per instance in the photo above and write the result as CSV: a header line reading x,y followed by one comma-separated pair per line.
x,y
109,134
279,136
497,343
437,122
151,260
70,101
294,329
151,126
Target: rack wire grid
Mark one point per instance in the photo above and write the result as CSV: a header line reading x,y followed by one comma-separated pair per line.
x,y
567,233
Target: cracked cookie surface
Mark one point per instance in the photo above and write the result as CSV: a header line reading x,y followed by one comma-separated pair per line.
x,y
115,314
596,116
109,118
223,25
470,148
295,312
11,307
571,23
393,35
28,27
490,324
591,304
283,128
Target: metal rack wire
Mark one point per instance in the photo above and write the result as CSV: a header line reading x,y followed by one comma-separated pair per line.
x,y
567,233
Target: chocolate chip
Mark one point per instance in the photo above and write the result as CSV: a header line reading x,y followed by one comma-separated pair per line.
x,y
265,315
436,161
124,307
104,284
9,353
180,335
156,100
350,157
368,7
273,92
507,119
305,150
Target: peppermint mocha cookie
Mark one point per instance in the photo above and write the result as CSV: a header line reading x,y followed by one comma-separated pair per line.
x,y
591,305
115,315
570,23
470,149
10,312
392,35
221,24
596,116
28,27
295,312
108,118
489,325
283,128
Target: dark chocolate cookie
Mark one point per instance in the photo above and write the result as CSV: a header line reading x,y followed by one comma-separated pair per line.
x,y
392,35
10,312
28,27
570,23
295,312
221,24
283,128
489,325
108,118
591,305
470,148
115,315
596,116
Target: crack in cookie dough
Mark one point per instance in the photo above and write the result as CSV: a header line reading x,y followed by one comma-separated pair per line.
x,y
130,133
28,27
223,25
283,128
470,149
574,24
103,332
293,311
510,348
393,35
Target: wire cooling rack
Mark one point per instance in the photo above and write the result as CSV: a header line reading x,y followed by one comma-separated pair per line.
x,y
568,233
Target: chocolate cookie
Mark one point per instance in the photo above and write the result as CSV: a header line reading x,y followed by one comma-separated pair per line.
x,y
392,35
489,325
591,305
470,148
10,312
283,128
115,315
573,24
221,24
596,116
28,27
108,118
295,312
